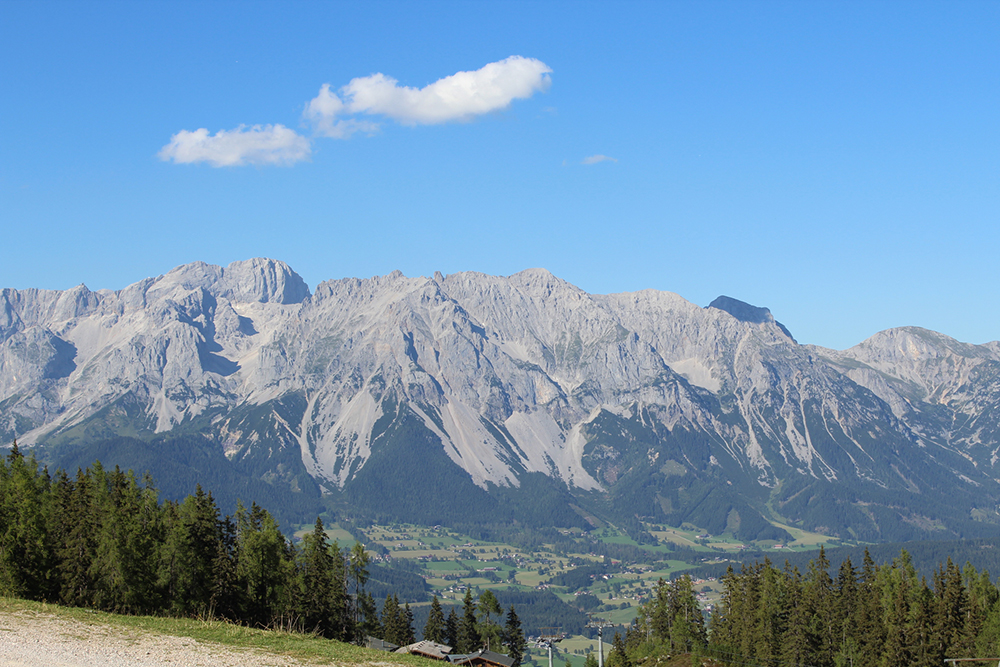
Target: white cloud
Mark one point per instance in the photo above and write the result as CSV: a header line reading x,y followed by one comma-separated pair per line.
x,y
459,97
322,111
259,144
594,159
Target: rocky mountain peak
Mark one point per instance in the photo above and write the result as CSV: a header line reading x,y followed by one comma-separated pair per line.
x,y
263,280
487,379
745,312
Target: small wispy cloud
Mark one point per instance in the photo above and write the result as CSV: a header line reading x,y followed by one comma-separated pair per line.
x,y
322,112
594,159
258,144
459,97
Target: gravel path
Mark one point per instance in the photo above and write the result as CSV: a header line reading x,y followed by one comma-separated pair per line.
x,y
38,640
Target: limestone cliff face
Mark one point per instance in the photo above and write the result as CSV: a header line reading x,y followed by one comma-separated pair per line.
x,y
511,374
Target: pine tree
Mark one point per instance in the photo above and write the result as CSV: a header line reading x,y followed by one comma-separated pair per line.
x,y
434,630
226,599
796,645
770,615
193,535
344,627
822,623
659,612
618,656
370,626
262,565
489,632
451,630
25,556
952,612
867,618
513,637
75,550
687,631
408,635
392,621
124,565
468,633
316,581
846,596
358,571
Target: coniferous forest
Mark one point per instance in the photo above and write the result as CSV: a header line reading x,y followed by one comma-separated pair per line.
x,y
103,540
875,616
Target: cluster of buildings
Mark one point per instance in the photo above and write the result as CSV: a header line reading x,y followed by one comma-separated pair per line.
x,y
435,651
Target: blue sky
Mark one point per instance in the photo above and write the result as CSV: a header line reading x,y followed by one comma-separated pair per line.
x,y
836,162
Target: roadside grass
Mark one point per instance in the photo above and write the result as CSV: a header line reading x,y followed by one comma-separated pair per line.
x,y
307,648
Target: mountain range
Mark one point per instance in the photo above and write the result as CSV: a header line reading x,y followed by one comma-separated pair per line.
x,y
521,399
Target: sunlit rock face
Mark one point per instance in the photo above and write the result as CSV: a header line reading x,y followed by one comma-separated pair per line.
x,y
516,375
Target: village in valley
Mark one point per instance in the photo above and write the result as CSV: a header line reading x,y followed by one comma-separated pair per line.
x,y
596,588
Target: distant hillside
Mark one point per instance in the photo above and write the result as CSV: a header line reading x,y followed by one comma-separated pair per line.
x,y
926,555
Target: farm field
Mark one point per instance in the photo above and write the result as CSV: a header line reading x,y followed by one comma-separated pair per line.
x,y
611,589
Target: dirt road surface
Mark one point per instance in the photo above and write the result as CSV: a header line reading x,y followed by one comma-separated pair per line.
x,y
38,640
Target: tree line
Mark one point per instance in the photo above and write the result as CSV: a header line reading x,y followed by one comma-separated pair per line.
x,y
875,616
103,540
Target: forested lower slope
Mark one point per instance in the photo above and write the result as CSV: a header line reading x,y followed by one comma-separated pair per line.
x,y
875,615
103,540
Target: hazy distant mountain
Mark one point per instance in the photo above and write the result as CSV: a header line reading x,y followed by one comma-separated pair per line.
x,y
467,395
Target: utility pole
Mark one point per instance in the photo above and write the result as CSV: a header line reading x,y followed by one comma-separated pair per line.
x,y
600,624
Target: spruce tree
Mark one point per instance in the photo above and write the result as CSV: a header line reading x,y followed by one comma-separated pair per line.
x,y
468,633
451,630
316,582
75,551
513,637
226,599
408,635
489,632
618,656
370,623
25,556
262,565
392,621
358,571
687,631
434,629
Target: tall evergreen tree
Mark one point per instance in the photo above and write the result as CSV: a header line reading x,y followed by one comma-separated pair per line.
x,y
408,635
317,584
226,599
25,554
952,612
451,630
393,621
124,566
687,625
262,565
370,626
618,655
434,629
513,637
78,516
489,632
358,571
822,613
468,632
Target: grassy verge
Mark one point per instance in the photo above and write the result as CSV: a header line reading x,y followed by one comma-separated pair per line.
x,y
306,648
